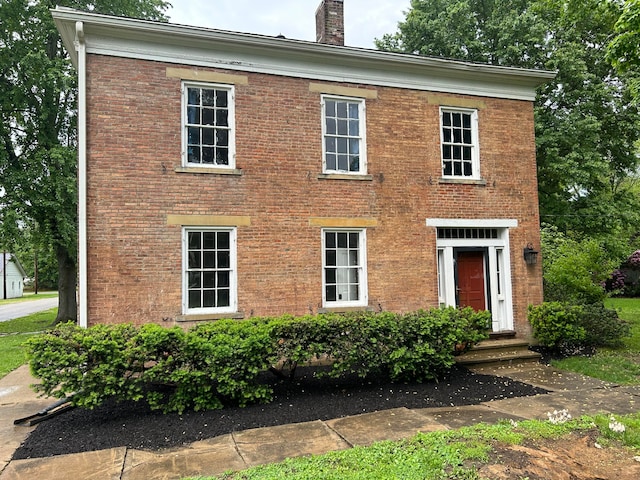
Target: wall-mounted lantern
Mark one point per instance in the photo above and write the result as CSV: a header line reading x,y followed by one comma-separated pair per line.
x,y
530,255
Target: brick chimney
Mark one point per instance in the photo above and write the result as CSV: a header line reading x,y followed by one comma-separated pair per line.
x,y
330,22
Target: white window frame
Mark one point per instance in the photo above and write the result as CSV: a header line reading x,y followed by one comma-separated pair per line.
x,y
362,135
230,120
233,272
475,147
363,299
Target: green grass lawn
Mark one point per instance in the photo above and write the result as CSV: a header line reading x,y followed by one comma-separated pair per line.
x,y
618,365
452,454
13,333
28,296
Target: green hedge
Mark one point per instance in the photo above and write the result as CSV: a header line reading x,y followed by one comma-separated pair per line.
x,y
565,327
219,363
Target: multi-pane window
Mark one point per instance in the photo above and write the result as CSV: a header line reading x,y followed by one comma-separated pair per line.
x,y
344,281
210,273
343,130
208,125
459,143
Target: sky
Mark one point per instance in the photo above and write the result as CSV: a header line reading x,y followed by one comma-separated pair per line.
x,y
364,20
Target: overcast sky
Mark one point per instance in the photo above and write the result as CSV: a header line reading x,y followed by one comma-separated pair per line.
x,y
364,19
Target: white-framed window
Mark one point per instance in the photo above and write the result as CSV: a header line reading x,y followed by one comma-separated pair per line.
x,y
344,265
459,140
208,121
343,135
209,275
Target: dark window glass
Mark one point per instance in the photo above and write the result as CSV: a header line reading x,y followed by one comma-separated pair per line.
x,y
331,293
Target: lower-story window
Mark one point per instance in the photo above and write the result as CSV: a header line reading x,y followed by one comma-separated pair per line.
x,y
344,265
209,273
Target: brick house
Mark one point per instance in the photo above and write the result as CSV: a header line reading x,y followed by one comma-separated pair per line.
x,y
229,175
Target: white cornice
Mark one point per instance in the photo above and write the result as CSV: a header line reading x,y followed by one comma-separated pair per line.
x,y
179,44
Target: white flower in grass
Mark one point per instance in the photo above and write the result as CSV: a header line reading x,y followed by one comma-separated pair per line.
x,y
615,426
558,417
513,423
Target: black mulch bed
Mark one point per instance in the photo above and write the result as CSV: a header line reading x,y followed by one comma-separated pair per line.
x,y
306,398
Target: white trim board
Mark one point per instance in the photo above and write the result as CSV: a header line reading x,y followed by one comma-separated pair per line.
x,y
472,222
178,44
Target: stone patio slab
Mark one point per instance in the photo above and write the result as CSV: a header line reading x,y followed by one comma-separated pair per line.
x,y
591,402
98,465
456,417
209,457
393,424
274,444
545,376
11,436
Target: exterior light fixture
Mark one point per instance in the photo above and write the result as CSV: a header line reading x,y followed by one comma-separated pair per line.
x,y
530,255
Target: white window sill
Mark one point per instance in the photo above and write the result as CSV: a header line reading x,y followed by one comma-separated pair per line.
x,y
345,176
205,317
210,170
463,181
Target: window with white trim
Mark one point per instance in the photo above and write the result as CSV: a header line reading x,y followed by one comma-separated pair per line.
x,y
344,266
209,272
459,139
208,125
343,131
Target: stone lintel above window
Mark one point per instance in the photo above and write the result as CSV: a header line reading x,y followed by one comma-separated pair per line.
x,y
209,220
206,76
344,91
451,101
343,222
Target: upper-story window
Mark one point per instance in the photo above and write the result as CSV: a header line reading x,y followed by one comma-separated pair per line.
x,y
343,129
460,155
208,125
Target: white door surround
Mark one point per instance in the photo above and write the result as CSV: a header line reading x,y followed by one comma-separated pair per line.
x,y
490,235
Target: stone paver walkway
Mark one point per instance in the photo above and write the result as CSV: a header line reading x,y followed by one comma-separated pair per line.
x,y
239,450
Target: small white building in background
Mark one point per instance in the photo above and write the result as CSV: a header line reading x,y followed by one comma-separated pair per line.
x,y
13,273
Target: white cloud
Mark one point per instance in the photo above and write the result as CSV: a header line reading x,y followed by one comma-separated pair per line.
x,y
364,19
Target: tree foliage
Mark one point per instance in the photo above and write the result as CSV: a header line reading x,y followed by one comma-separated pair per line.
x,y
624,49
587,125
38,167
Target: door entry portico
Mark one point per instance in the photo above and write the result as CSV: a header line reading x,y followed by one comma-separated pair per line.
x,y
474,266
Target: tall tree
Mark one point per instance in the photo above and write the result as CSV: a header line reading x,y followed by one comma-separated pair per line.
x,y
586,123
37,126
624,49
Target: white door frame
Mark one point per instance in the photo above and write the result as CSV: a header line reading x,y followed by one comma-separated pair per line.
x,y
498,255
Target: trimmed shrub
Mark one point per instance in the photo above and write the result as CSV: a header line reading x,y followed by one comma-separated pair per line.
x,y
565,327
220,363
603,327
556,324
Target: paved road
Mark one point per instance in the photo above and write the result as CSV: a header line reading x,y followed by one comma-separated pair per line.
x,y
21,309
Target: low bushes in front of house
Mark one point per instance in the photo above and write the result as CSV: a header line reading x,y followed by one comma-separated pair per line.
x,y
565,328
223,362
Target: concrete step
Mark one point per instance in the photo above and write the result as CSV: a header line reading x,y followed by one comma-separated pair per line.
x,y
505,350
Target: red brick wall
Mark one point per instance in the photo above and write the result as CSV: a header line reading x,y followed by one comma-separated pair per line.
x,y
134,143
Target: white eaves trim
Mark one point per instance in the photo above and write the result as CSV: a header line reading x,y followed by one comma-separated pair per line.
x,y
179,44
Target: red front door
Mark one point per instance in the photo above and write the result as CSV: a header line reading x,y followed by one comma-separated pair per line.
x,y
471,284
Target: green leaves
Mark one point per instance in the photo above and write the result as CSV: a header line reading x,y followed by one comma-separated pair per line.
x,y
219,363
38,124
587,123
